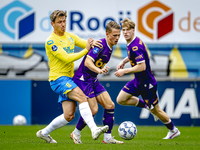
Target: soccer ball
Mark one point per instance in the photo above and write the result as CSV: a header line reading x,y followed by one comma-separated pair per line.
x,y
127,130
19,120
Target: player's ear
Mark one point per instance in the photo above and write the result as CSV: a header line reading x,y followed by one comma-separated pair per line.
x,y
52,24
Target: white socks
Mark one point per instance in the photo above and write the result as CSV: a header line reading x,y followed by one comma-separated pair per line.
x,y
86,113
107,137
77,131
58,122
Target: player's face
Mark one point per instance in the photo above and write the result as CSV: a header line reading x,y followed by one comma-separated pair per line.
x,y
113,37
128,33
59,25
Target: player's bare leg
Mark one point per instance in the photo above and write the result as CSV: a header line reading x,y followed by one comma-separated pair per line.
x,y
129,100
173,131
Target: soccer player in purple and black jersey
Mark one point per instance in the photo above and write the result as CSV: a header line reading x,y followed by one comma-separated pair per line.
x,y
100,57
144,83
86,78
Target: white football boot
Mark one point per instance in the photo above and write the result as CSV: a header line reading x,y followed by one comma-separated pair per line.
x,y
96,134
76,138
48,138
113,141
172,134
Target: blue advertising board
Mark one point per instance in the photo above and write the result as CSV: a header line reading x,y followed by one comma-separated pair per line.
x,y
15,99
38,103
179,99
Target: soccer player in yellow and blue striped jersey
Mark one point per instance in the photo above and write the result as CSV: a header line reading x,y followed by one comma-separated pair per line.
x,y
60,47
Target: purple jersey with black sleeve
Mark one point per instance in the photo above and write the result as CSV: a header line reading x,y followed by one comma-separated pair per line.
x,y
137,53
100,57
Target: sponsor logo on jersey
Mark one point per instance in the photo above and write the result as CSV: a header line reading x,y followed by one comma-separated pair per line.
x,y
95,50
54,48
139,57
71,41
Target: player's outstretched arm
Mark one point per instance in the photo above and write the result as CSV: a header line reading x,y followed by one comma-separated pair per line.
x,y
122,63
68,58
137,68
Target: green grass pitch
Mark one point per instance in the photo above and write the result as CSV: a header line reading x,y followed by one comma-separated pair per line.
x,y
148,137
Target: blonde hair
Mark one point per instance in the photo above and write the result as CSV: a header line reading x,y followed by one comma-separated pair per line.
x,y
128,23
111,25
57,13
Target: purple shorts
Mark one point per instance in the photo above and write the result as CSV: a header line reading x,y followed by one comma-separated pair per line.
x,y
90,88
148,93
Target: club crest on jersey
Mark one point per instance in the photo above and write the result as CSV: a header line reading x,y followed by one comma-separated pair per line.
x,y
54,48
50,42
135,48
95,50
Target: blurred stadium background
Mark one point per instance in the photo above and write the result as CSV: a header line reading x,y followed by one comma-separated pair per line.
x,y
170,32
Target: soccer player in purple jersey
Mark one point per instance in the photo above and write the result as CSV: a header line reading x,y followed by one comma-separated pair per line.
x,y
144,83
86,78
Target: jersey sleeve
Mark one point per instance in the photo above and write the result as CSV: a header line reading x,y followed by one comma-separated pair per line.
x,y
93,53
139,54
78,41
59,53
53,48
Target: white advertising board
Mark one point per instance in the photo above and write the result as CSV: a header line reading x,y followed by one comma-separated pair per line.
x,y
164,21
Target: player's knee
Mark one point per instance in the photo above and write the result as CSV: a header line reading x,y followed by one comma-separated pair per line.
x,y
94,110
69,117
83,99
119,101
110,106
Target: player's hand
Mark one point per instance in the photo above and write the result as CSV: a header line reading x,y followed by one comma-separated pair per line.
x,y
89,43
105,70
119,73
100,71
96,43
120,66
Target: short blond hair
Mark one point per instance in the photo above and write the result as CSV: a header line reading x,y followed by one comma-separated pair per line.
x,y
57,13
111,25
128,23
